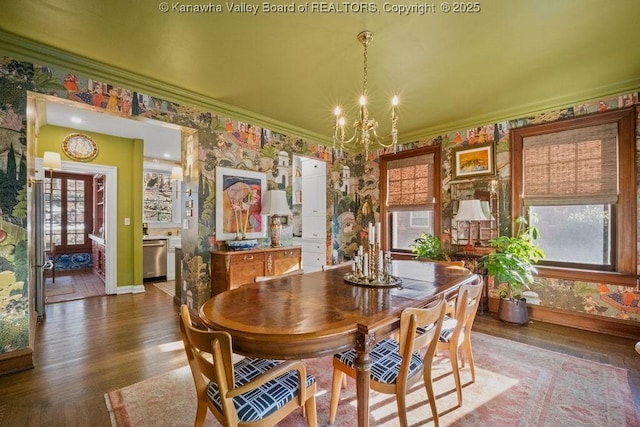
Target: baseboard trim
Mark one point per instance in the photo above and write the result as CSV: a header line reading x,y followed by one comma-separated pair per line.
x,y
131,289
16,361
587,322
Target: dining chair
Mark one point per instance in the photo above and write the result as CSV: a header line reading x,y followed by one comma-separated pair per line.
x,y
326,267
456,331
278,276
397,365
249,392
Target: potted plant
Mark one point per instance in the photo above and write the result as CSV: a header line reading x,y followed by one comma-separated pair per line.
x,y
428,246
513,263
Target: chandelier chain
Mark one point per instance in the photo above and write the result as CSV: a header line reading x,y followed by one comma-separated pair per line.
x,y
365,76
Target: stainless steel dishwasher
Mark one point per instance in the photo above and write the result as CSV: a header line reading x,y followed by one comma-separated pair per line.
x,y
154,258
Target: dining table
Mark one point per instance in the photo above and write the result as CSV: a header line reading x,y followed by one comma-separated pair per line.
x,y
316,314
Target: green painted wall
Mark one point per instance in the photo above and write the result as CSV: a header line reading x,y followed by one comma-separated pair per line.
x,y
126,155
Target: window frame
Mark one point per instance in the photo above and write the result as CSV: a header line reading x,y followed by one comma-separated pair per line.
x,y
386,214
625,209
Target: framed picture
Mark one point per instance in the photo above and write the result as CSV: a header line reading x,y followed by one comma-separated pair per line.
x,y
239,204
473,160
157,201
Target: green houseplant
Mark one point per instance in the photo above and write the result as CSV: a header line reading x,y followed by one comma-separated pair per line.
x,y
428,246
513,263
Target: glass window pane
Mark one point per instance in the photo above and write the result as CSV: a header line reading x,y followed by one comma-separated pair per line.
x,y
408,225
575,233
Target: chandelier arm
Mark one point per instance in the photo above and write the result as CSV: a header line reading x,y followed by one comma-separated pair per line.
x,y
380,139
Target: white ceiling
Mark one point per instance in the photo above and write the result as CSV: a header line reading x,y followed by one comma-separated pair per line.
x,y
161,141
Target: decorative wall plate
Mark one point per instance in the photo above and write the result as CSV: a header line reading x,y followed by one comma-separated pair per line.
x,y
80,147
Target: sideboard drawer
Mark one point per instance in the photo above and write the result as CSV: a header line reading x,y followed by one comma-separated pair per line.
x,y
282,261
232,269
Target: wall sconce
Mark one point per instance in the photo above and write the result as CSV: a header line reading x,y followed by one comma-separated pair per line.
x,y
51,161
471,211
176,175
275,204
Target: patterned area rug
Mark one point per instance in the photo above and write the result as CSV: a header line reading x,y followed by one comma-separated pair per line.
x,y
516,385
168,287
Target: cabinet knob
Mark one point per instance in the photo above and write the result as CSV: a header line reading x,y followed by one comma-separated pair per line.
x,y
248,257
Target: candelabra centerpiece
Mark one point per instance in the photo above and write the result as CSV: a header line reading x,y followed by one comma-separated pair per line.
x,y
371,265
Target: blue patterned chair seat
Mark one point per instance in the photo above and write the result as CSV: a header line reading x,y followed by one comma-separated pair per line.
x,y
385,361
448,326
266,399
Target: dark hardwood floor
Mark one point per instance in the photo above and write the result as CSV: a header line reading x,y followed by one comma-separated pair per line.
x,y
86,348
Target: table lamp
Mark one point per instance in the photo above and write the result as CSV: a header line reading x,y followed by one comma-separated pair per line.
x,y
486,209
470,211
51,161
275,204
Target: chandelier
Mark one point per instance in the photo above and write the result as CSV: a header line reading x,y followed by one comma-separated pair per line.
x,y
365,128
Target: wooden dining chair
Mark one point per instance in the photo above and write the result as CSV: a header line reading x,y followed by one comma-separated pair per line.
x,y
278,276
250,392
397,365
456,332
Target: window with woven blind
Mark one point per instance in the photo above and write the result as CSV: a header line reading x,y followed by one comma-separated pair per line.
x,y
575,179
410,183
410,196
572,167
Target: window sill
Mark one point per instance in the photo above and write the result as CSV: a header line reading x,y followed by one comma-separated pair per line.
x,y
610,277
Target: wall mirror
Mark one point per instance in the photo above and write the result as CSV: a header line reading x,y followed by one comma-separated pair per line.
x,y
482,232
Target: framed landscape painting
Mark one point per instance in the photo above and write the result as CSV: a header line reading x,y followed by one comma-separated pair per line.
x,y
473,160
239,196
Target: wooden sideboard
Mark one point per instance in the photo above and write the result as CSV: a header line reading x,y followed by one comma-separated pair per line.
x,y
231,269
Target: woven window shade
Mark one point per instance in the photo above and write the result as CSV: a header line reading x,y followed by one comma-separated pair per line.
x,y
410,183
577,166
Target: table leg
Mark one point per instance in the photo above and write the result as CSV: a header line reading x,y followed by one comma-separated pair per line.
x,y
364,343
363,371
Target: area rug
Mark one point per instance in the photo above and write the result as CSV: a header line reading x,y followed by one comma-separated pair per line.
x,y
168,287
516,385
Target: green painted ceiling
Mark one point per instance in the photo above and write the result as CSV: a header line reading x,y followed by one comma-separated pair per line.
x,y
289,70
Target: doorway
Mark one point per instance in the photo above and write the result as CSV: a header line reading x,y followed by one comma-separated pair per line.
x,y
41,113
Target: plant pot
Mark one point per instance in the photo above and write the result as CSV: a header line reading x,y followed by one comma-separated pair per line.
x,y
513,311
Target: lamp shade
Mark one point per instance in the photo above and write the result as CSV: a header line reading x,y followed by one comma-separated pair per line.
x,y
51,160
487,210
470,210
176,173
275,203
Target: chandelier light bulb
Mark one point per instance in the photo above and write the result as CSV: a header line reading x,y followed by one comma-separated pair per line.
x,y
337,111
363,100
395,101
341,121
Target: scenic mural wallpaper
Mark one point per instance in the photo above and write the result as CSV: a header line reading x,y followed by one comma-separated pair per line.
x,y
212,141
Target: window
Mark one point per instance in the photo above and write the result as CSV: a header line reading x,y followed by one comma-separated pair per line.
x,y
411,196
577,178
72,212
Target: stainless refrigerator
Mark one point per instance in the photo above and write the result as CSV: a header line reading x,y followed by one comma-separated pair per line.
x,y
38,252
